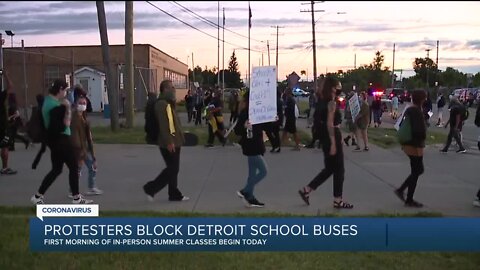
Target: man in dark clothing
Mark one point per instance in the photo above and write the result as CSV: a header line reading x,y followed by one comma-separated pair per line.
x,y
440,105
170,139
215,120
198,106
272,129
290,119
456,123
5,138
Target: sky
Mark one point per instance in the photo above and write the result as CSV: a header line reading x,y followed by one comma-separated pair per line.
x,y
347,33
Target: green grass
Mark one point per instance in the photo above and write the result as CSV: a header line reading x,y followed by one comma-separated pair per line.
x,y
387,137
15,253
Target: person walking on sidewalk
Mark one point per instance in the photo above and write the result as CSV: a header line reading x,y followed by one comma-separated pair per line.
x,y
215,120
170,139
254,148
6,139
272,129
477,201
83,144
56,118
414,148
440,105
363,118
349,123
332,146
456,122
290,119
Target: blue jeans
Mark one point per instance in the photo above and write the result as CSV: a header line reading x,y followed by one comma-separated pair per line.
x,y
257,170
92,173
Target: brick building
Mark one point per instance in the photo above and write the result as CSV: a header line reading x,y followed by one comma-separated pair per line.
x,y
45,64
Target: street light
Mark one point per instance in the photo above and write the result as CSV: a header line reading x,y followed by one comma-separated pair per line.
x,y
11,34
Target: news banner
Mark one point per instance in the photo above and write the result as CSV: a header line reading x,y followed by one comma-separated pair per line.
x,y
79,228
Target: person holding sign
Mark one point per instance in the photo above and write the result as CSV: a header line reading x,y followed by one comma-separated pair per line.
x,y
331,119
254,148
413,121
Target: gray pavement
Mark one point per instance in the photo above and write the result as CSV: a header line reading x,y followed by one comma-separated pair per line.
x,y
210,177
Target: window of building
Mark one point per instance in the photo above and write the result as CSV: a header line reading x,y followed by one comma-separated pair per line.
x,y
51,74
178,80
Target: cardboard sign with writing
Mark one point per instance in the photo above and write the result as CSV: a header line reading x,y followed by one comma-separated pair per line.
x,y
263,95
354,105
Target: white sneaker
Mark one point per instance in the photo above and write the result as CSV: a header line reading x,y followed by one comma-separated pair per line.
x,y
476,203
81,200
94,191
36,200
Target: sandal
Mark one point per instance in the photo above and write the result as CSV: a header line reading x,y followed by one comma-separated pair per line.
x,y
342,204
304,194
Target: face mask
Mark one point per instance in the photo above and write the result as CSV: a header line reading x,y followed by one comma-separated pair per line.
x,y
81,108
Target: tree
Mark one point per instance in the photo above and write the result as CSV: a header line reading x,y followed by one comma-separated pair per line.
x,y
425,68
232,75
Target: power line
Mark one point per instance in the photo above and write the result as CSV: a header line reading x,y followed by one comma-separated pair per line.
x,y
191,26
213,24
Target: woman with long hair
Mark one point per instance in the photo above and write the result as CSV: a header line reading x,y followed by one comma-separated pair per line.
x,y
330,121
414,148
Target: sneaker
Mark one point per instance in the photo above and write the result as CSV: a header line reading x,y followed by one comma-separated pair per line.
x,y
414,204
253,202
346,141
476,203
304,196
354,143
366,149
357,149
94,191
461,151
8,171
36,200
209,146
183,198
81,200
444,151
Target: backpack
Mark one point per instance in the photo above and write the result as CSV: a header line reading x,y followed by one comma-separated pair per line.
x,y
35,128
151,128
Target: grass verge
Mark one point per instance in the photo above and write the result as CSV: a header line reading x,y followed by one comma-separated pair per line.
x,y
15,253
387,137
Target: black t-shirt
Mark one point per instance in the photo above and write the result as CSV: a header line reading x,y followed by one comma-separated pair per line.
x,y
3,111
454,111
419,130
217,102
290,108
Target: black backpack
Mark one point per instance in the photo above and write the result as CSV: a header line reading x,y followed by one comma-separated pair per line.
x,y
464,112
477,116
152,128
35,128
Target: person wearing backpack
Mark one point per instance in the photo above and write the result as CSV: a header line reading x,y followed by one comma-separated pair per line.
x,y
170,138
413,147
458,114
331,119
57,117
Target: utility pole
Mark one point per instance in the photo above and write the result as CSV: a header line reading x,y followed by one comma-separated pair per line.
x,y
218,43
25,78
355,61
193,69
393,68
426,65
129,78
312,10
268,50
436,70
112,93
276,61
223,54
262,58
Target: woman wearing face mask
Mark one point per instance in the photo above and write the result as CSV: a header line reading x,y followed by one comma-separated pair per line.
x,y
331,119
83,144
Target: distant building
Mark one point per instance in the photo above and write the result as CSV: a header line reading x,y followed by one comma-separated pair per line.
x,y
45,64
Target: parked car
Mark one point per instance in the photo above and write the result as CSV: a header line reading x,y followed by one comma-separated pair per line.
x,y
297,92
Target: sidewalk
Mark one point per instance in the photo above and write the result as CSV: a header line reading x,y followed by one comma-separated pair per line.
x,y
210,177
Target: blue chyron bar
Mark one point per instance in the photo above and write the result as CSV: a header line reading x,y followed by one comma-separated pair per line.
x,y
255,234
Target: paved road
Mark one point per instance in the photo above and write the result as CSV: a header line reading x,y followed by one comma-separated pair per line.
x,y
212,176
